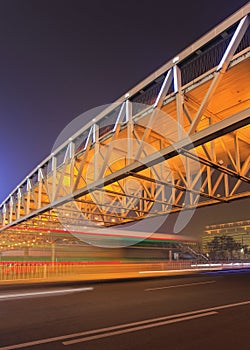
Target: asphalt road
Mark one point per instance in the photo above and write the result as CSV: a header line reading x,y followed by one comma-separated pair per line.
x,y
206,311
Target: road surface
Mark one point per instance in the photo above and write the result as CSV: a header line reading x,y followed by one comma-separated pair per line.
x,y
205,311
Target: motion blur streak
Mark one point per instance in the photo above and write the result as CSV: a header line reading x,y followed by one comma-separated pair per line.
x,y
44,293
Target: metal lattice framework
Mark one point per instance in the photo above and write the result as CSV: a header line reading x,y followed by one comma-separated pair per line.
x,y
178,140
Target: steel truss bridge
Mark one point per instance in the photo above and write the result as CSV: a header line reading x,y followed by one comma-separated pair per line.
x,y
180,139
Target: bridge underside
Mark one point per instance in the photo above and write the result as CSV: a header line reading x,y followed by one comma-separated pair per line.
x,y
174,144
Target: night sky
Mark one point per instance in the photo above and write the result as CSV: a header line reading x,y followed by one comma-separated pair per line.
x,y
61,58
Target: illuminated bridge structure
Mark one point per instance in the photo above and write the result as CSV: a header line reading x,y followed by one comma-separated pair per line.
x,y
180,139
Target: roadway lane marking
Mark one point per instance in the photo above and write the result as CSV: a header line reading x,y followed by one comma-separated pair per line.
x,y
51,292
112,328
178,285
139,328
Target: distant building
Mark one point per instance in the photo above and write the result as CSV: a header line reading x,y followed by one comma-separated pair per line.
x,y
239,231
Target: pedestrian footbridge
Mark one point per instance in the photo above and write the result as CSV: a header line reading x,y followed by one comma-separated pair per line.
x,y
178,140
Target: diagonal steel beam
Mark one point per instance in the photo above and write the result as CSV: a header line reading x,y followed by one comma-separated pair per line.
x,y
222,67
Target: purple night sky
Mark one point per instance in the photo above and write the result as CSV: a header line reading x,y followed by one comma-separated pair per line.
x,y
60,58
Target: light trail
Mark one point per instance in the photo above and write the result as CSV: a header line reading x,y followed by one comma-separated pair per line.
x,y
44,293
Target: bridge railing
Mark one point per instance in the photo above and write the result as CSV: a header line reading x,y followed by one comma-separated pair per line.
x,y
18,271
11,272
